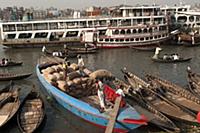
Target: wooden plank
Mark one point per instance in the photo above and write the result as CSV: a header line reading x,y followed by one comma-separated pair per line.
x,y
113,115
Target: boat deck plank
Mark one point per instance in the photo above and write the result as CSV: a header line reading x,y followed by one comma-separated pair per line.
x,y
113,115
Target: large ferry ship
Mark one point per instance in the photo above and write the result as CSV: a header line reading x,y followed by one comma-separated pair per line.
x,y
129,26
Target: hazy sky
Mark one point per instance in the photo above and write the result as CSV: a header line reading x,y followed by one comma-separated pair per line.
x,y
82,4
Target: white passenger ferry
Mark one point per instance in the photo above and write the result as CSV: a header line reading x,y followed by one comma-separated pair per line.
x,y
130,26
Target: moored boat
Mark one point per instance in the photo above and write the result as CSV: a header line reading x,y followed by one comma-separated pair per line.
x,y
144,48
194,82
11,76
177,94
154,116
128,118
61,54
82,49
9,103
31,113
158,101
11,63
161,60
174,58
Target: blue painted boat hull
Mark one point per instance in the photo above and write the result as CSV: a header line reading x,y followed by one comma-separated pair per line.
x,y
89,113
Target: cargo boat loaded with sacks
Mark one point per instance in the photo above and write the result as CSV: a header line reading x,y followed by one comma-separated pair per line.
x,y
80,97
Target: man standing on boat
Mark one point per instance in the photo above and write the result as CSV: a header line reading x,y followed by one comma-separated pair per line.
x,y
120,91
65,66
158,49
65,50
81,64
43,49
100,94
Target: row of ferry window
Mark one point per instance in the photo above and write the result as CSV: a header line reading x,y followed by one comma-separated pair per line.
x,y
44,35
132,31
132,39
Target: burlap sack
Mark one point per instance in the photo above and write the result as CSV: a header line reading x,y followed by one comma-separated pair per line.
x,y
59,76
70,83
54,83
50,70
77,81
61,73
85,86
73,75
62,85
57,68
69,70
101,73
52,77
87,71
74,66
85,79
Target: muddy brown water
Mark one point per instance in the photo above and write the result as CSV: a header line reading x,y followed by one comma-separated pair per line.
x,y
59,120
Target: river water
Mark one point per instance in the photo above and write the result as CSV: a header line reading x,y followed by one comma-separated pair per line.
x,y
139,62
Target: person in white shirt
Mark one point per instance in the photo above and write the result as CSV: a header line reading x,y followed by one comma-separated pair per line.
x,y
100,93
43,49
6,61
80,61
176,57
81,64
120,91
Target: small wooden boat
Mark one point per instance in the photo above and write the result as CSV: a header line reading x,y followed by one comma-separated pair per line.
x,y
11,63
158,101
144,48
161,60
10,76
62,55
31,113
87,107
194,82
168,59
9,103
186,44
177,94
154,116
84,52
82,49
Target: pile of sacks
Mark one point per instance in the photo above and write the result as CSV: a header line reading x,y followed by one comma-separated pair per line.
x,y
75,84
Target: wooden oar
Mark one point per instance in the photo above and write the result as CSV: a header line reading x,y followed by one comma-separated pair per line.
x,y
113,116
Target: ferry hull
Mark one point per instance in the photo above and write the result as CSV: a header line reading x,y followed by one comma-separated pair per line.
x,y
135,44
87,113
39,44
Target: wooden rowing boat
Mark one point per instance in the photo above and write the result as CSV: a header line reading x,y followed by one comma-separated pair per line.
x,y
177,94
9,103
144,48
84,52
154,116
159,102
11,63
161,60
81,49
31,113
68,55
194,82
10,76
87,107
187,44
